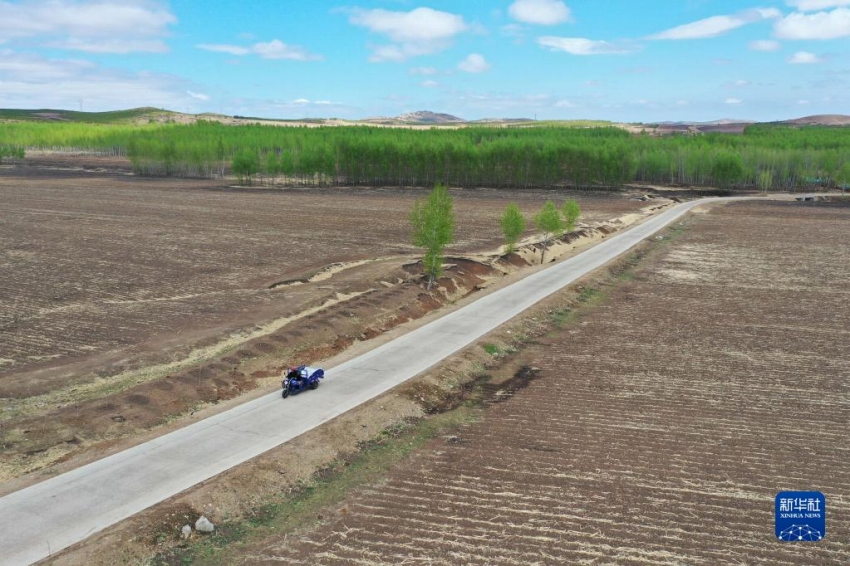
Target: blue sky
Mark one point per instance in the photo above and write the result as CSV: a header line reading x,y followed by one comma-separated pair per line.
x,y
622,60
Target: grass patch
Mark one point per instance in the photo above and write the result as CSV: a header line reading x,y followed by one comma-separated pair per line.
x,y
587,297
561,317
590,295
492,349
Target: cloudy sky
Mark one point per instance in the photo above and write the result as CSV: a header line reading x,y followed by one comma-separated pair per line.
x,y
625,60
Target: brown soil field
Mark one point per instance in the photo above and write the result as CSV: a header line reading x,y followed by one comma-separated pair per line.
x,y
126,302
656,429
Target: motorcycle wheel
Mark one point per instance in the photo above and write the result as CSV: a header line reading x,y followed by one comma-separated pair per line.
x,y
314,385
285,393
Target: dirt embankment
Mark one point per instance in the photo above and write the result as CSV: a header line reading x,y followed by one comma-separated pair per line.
x,y
70,426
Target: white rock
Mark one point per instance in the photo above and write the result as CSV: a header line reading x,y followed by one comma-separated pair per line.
x,y
186,531
203,525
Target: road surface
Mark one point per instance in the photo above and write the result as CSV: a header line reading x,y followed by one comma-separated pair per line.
x,y
52,515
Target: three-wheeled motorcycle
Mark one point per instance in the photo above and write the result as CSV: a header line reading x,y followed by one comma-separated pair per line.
x,y
300,378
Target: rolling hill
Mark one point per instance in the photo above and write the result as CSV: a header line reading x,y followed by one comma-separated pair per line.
x,y
420,118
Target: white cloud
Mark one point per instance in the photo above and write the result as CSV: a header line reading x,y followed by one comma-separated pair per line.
x,y
198,96
32,81
474,63
821,25
403,52
539,12
120,46
419,32
222,48
514,30
421,24
804,58
423,71
765,45
15,66
300,103
582,46
740,83
804,102
682,103
95,26
709,27
717,25
733,101
274,49
814,5
430,84
566,104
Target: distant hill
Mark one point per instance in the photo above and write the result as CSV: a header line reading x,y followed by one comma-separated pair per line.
x,y
737,126
427,117
421,117
725,125
46,115
819,120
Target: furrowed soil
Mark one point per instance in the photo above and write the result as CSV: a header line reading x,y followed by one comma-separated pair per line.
x,y
129,306
655,428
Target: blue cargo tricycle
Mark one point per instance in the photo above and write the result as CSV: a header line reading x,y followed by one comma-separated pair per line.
x,y
300,378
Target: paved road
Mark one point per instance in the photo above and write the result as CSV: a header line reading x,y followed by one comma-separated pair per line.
x,y
50,516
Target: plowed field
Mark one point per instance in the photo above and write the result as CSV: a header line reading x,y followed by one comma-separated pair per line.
x,y
101,268
657,430
128,303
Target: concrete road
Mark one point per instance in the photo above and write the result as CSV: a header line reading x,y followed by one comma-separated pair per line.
x,y
50,516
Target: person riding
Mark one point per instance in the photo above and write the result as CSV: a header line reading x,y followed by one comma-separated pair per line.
x,y
293,373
